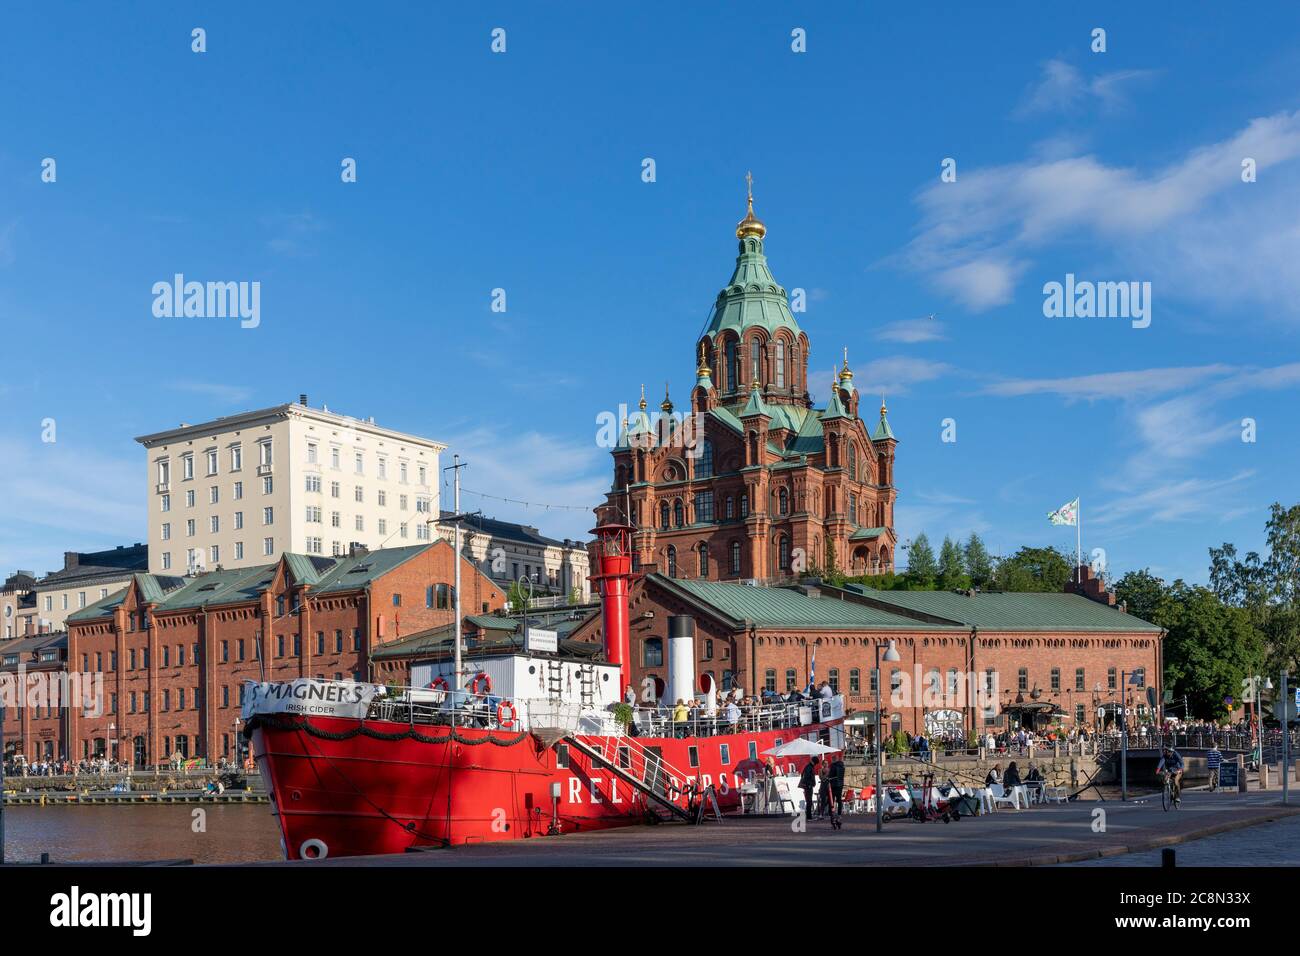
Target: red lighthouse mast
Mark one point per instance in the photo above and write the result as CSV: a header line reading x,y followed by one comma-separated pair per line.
x,y
614,577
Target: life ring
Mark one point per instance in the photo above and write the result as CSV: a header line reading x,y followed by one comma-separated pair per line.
x,y
504,708
313,849
486,678
438,683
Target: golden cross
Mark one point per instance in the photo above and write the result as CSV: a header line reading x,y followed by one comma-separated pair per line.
x,y
749,184
846,356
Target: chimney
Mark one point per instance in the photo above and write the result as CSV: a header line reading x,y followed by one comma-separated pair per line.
x,y
1090,586
302,398
71,559
356,549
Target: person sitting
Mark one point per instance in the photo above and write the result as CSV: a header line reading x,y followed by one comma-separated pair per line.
x,y
1012,778
994,775
733,716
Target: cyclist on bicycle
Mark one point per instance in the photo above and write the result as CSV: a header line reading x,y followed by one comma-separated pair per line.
x,y
1171,762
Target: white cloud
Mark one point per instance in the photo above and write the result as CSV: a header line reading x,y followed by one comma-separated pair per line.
x,y
895,374
1063,86
1191,223
911,331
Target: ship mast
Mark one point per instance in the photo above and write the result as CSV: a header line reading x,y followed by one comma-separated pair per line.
x,y
456,518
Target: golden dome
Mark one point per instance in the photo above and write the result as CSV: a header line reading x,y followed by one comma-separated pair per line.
x,y
751,225
846,372
667,404
642,402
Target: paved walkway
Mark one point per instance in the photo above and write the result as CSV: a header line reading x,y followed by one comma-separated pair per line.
x,y
1268,844
1044,835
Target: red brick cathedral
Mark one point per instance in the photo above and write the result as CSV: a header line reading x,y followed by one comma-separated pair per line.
x,y
755,482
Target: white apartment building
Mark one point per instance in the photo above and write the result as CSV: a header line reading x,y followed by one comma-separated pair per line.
x,y
240,490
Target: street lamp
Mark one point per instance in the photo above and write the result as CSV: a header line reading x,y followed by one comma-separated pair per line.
x,y
1259,718
890,655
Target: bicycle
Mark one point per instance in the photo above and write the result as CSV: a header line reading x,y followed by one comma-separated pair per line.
x,y
1168,796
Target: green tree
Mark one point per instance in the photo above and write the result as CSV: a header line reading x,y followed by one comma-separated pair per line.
x,y
921,566
1034,569
979,563
517,596
1267,588
1210,646
952,566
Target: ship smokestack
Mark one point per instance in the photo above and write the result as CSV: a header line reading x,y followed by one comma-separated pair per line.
x,y
613,578
681,658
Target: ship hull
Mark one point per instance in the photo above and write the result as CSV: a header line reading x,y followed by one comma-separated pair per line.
x,y
346,787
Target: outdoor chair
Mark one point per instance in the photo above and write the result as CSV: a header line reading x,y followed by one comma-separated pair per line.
x,y
1001,796
1056,795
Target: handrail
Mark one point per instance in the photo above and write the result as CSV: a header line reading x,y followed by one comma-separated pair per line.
x,y
606,749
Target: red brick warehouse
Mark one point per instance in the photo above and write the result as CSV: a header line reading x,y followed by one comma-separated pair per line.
x,y
176,652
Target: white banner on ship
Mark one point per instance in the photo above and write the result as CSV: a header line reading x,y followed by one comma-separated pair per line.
x,y
303,695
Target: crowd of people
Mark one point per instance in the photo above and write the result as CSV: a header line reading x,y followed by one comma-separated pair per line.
x,y
20,767
724,712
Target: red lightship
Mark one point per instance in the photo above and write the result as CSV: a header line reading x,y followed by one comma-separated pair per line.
x,y
530,746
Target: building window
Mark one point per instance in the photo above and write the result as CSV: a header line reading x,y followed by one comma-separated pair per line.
x,y
236,457
679,514
1140,677
769,679
744,506
783,553
652,652
1056,680
313,483
756,359
239,551
315,546
239,520
238,490
359,495
267,485
187,467
790,678
833,678
704,507
165,503
663,515
853,462
704,559
167,561
1022,679
313,514
672,561
783,502
334,489
1110,678
214,495
704,464
735,557
264,453
268,515
855,680
268,546
166,531
780,363
730,508
1080,681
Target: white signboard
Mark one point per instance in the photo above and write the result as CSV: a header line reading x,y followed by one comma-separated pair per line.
x,y
303,695
539,640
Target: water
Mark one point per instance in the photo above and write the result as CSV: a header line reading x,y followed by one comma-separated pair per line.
x,y
232,834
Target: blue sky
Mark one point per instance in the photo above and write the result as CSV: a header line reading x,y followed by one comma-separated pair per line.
x,y
522,171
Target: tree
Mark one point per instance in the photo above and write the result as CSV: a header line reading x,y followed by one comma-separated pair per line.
x,y
1209,648
979,563
921,566
1267,589
952,566
1034,569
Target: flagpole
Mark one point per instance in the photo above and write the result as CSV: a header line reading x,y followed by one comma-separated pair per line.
x,y
1078,543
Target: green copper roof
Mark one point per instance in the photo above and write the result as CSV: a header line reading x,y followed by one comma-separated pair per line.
x,y
755,405
752,297
834,408
1012,611
883,431
866,534
785,607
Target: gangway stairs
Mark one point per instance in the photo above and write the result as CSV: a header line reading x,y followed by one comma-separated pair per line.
x,y
644,769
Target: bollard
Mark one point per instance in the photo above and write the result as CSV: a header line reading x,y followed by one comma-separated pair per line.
x,y
1167,861
1241,773
1263,775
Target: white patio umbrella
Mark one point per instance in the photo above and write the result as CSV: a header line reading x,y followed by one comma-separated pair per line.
x,y
799,748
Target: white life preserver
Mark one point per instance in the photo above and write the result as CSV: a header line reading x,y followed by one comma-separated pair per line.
x,y
313,849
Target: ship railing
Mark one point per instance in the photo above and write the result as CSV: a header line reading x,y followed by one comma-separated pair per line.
x,y
752,719
407,705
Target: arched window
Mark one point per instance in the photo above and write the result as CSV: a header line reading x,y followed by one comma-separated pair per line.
x,y
756,359
780,363
790,679
704,464
744,506
783,553
853,462
663,515
733,366
853,510
679,513
731,507
672,561
769,679
833,678
704,559
735,557
783,502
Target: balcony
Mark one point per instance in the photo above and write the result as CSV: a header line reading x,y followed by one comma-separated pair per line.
x,y
164,487
263,470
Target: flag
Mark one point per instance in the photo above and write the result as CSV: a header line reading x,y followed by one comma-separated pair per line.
x,y
812,671
1066,514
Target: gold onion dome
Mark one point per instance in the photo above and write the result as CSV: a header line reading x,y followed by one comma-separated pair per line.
x,y
667,404
846,372
642,402
751,225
